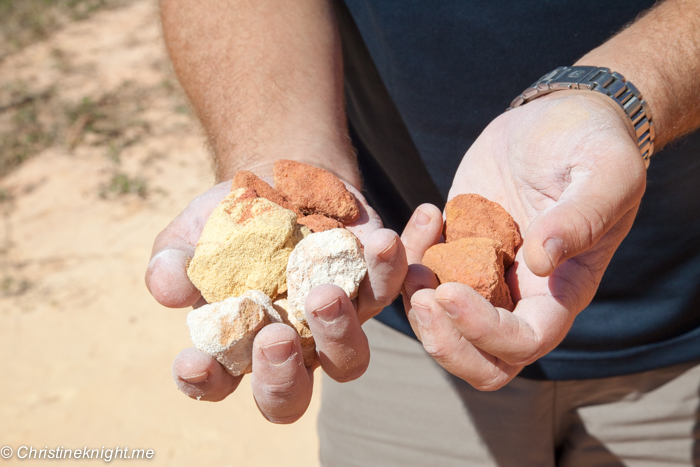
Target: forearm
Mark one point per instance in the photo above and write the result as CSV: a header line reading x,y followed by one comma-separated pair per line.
x,y
265,79
660,55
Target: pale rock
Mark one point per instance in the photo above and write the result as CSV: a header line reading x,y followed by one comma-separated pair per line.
x,y
331,257
226,330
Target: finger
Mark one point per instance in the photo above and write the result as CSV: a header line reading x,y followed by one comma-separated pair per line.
x,y
386,269
592,203
281,383
166,275
518,338
341,344
418,277
452,351
201,377
422,231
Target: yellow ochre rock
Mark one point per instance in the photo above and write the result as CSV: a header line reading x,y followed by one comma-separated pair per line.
x,y
245,245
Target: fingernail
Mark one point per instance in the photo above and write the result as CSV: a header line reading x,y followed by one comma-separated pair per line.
x,y
554,247
449,308
423,314
328,313
196,378
421,218
389,252
278,353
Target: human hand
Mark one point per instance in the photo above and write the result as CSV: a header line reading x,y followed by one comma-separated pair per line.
x,y
282,385
567,169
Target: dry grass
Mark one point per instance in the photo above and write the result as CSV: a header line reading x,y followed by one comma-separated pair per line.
x,y
23,22
34,122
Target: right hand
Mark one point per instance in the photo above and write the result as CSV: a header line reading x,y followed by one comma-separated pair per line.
x,y
282,385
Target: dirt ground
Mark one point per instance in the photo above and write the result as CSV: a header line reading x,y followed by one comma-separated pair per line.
x,y
85,352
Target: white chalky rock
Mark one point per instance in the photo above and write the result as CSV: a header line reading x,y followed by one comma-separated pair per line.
x,y
330,257
225,330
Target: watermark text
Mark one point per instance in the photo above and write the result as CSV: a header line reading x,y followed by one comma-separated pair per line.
x,y
60,452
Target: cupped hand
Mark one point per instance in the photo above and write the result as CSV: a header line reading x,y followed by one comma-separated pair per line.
x,y
282,385
567,168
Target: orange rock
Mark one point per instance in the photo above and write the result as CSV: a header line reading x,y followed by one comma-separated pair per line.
x,y
319,223
315,191
476,262
246,179
471,215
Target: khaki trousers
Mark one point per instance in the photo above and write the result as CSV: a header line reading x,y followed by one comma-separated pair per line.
x,y
407,411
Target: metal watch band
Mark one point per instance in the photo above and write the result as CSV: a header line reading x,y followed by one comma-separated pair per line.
x,y
611,84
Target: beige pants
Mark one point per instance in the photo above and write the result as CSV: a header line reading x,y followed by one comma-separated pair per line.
x,y
407,411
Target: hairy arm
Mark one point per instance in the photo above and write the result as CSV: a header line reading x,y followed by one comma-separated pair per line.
x,y
660,54
265,79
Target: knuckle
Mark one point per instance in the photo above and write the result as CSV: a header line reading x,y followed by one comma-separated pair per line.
x,y
385,298
350,374
591,225
489,386
286,390
437,351
491,382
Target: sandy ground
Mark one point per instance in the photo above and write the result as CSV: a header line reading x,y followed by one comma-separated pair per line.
x,y
85,352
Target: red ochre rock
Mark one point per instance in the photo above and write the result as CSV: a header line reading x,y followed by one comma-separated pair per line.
x,y
319,223
315,191
476,262
246,179
471,215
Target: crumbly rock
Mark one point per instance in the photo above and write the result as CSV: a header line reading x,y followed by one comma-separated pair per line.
x,y
226,330
330,257
471,215
315,190
476,262
308,345
246,179
244,246
319,223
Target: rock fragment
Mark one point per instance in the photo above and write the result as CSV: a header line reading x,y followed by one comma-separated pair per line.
x,y
226,330
246,179
315,190
308,345
244,246
476,262
330,257
319,223
471,215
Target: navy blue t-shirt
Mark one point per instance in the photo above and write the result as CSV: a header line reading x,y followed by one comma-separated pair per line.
x,y
423,79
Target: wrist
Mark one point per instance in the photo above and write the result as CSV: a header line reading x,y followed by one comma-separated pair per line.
x,y
599,100
338,159
612,86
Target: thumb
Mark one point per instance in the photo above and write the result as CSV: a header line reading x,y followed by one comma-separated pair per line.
x,y
593,202
166,275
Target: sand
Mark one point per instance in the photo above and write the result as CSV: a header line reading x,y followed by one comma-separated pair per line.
x,y
85,352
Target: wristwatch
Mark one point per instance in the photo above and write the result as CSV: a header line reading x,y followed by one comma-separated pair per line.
x,y
600,79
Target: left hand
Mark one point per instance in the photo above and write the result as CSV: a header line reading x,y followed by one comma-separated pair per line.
x,y
282,385
567,169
